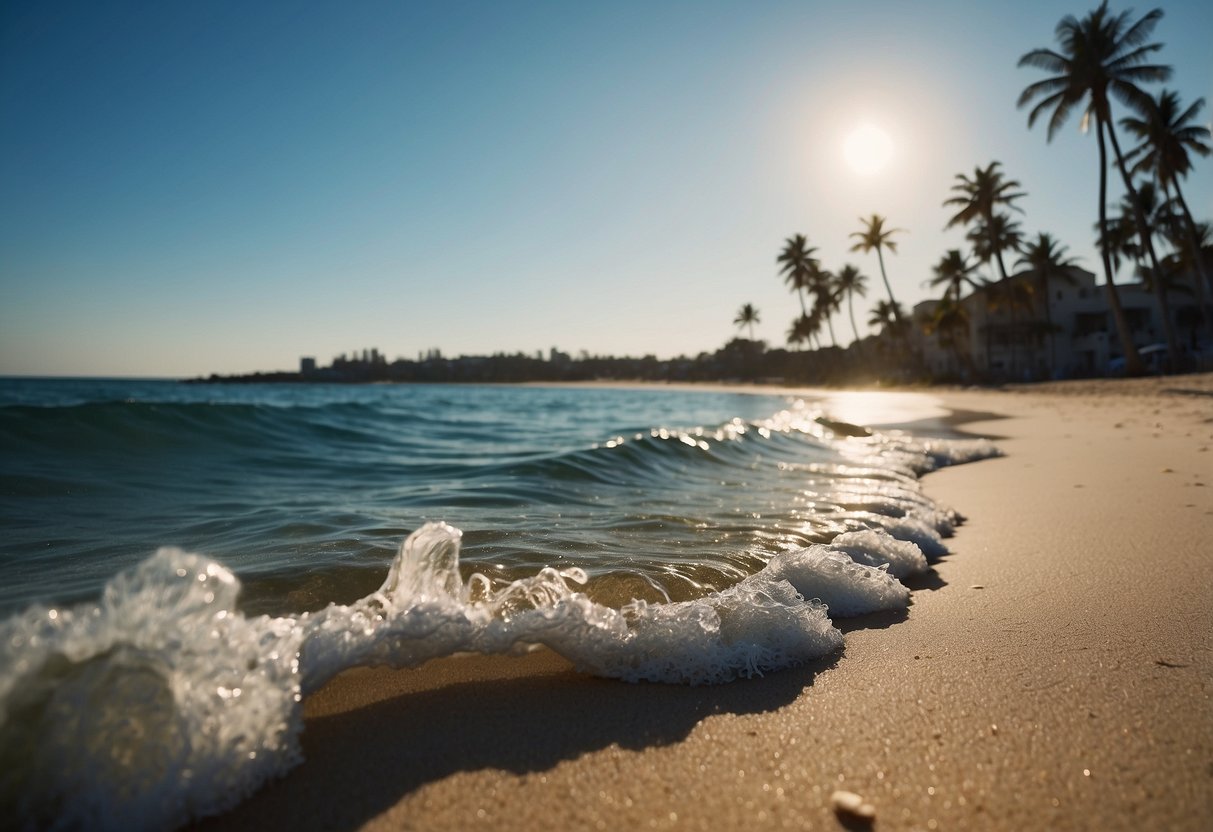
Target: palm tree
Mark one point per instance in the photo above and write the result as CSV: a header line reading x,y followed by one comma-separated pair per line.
x,y
803,330
875,236
1121,241
798,267
954,272
1100,54
991,238
978,200
1158,214
747,316
851,283
887,315
1013,296
1167,134
951,322
1047,258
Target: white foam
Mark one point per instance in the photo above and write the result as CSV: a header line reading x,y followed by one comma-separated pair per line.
x,y
425,610
163,703
874,547
922,533
847,588
157,704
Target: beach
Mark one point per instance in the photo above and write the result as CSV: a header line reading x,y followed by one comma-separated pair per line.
x,y
1053,671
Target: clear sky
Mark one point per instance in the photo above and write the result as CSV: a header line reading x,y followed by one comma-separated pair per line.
x,y
188,188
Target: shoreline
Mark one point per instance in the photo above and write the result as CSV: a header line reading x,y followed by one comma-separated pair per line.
x,y
1052,672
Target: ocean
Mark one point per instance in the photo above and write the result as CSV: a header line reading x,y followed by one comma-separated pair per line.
x,y
181,564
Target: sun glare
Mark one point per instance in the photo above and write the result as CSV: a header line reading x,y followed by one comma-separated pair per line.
x,y
867,149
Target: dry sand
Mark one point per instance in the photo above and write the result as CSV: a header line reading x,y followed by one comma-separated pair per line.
x,y
1055,672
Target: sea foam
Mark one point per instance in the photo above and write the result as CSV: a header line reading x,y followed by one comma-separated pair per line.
x,y
162,702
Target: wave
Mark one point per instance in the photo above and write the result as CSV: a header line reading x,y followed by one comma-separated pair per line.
x,y
164,702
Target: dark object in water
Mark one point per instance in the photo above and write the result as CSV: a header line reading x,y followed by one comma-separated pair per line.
x,y
843,428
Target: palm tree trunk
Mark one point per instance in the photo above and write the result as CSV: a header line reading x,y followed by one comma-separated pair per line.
x,y
1147,241
994,250
1133,365
1002,269
851,313
887,287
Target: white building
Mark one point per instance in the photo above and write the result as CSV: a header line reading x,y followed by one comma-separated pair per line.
x,y
1021,329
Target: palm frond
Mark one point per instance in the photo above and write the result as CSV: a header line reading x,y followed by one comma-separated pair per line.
x,y
1141,30
1132,59
1045,59
1190,113
1060,115
1130,95
1066,27
1151,74
1047,87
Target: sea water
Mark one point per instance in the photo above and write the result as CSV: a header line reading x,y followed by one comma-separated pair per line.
x,y
181,564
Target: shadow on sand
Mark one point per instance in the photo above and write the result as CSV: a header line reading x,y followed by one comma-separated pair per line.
x,y
374,736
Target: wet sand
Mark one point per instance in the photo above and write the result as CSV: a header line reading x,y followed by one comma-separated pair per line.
x,y
1055,671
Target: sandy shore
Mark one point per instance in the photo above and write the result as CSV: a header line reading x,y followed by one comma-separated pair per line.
x,y
1055,672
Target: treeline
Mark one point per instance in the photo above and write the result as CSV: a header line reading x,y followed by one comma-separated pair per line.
x,y
742,359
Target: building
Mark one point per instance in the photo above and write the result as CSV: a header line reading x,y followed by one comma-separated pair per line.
x,y
1024,328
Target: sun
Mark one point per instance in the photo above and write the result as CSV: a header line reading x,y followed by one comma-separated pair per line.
x,y
867,149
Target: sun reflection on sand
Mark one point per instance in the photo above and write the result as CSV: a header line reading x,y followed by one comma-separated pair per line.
x,y
882,408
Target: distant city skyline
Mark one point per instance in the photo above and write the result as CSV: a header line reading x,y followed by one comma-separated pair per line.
x,y
225,187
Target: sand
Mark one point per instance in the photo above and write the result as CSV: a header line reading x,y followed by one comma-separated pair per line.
x,y
1054,672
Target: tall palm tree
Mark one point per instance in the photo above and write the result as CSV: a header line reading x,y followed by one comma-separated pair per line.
x,y
1099,55
851,283
954,272
1047,258
747,316
978,199
1167,134
990,238
798,267
875,236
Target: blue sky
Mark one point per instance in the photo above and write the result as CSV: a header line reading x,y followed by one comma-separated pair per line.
x,y
189,188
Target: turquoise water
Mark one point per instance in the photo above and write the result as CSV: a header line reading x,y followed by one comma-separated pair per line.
x,y
181,565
